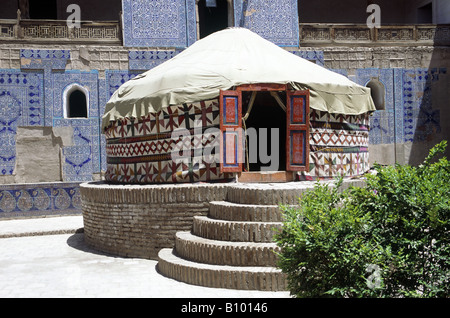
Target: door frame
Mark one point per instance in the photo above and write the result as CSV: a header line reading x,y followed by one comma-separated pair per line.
x,y
297,126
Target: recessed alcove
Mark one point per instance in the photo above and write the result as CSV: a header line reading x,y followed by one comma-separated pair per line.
x,y
76,101
378,93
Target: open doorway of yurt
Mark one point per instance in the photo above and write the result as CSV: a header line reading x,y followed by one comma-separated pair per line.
x,y
264,121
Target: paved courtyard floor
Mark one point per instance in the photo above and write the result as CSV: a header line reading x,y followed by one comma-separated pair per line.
x,y
38,262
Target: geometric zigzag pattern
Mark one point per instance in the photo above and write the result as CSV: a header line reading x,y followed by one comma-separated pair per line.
x,y
338,145
142,151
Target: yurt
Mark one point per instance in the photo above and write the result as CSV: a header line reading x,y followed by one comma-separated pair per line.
x,y
233,104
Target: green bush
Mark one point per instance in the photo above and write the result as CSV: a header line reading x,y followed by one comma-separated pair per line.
x,y
389,238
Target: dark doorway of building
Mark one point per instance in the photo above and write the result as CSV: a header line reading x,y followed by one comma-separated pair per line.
x,y
43,9
425,14
266,132
213,16
77,104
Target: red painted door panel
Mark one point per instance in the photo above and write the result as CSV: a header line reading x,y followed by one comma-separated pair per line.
x,y
297,129
231,142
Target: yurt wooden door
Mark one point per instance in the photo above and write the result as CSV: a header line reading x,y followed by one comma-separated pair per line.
x,y
231,141
232,134
297,130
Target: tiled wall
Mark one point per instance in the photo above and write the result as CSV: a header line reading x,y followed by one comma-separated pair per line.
x,y
409,115
420,119
33,96
39,199
22,104
276,21
159,23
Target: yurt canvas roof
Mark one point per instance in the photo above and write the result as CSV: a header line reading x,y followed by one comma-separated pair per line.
x,y
229,58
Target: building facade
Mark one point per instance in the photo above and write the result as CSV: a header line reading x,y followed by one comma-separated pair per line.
x,y
57,73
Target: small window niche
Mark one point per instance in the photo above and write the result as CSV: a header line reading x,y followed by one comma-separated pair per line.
x,y
76,101
378,93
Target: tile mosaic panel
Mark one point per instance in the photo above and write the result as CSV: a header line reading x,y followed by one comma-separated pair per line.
x,y
82,158
276,21
146,60
60,81
398,106
409,115
21,104
420,120
44,59
313,56
159,23
39,199
114,79
382,122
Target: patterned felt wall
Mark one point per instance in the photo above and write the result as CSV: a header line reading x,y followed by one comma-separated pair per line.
x,y
338,145
140,151
170,146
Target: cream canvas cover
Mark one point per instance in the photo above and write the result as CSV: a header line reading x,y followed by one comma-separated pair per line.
x,y
230,58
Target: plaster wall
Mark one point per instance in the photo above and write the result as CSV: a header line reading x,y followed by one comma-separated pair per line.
x,y
38,153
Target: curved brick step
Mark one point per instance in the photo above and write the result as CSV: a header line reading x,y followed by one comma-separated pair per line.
x,y
236,231
230,211
220,276
279,193
266,194
198,249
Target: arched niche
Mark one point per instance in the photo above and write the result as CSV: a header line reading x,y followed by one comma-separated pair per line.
x,y
378,93
76,101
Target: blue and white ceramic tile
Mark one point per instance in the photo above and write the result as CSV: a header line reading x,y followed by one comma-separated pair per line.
x,y
313,56
21,104
146,60
39,199
382,121
276,21
159,23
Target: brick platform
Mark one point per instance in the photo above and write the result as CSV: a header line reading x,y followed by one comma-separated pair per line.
x,y
215,235
138,221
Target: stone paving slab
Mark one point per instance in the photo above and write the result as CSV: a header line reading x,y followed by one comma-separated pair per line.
x,y
41,226
34,264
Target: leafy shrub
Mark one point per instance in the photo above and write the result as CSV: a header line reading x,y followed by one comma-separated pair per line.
x,y
389,238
